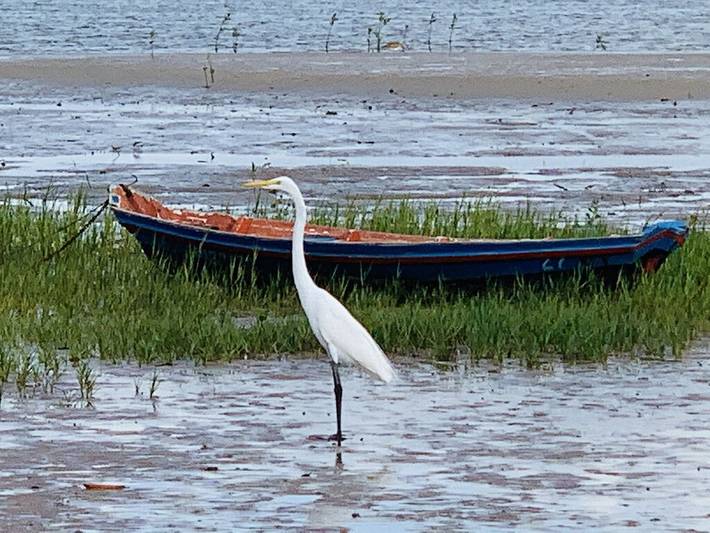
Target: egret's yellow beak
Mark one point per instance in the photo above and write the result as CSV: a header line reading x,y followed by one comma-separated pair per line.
x,y
258,184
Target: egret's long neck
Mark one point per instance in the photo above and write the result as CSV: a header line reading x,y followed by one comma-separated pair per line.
x,y
301,276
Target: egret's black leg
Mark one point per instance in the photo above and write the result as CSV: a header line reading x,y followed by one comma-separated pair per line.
x,y
338,399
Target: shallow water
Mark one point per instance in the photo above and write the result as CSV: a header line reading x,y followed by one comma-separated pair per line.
x,y
619,445
47,27
631,161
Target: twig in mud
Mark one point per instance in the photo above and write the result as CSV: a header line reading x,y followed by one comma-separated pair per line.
x,y
333,18
404,37
369,42
432,20
452,27
104,486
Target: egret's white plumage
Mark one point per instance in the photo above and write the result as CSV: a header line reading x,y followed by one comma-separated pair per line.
x,y
344,338
341,335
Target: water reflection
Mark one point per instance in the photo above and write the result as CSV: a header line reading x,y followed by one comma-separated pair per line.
x,y
585,447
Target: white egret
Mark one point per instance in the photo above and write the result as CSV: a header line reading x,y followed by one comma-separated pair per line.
x,y
341,335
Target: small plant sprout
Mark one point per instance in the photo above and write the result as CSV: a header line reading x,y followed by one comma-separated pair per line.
x,y
432,20
404,36
369,40
7,364
227,17
87,381
208,71
22,374
382,21
154,382
205,68
51,368
600,43
235,39
452,27
151,42
333,18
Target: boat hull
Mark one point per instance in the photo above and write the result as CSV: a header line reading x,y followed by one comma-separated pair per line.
x,y
452,261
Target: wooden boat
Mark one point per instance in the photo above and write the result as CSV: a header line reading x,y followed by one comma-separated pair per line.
x,y
220,238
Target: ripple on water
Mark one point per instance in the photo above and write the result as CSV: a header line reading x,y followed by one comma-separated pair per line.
x,y
577,447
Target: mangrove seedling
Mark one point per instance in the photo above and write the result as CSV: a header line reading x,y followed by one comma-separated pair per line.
x,y
208,68
235,38
382,21
369,41
432,20
154,381
333,18
600,43
452,27
151,42
227,18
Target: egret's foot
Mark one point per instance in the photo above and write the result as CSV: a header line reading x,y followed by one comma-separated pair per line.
x,y
335,438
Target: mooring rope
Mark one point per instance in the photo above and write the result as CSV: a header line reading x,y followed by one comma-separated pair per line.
x,y
99,209
80,218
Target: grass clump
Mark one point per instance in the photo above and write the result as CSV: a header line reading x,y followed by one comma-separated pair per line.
x,y
102,298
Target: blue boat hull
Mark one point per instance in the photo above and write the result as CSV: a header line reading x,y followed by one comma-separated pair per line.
x,y
454,261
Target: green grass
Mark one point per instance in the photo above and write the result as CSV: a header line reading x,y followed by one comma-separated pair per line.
x,y
102,298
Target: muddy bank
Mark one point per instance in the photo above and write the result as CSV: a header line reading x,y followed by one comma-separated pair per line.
x,y
628,161
554,76
612,446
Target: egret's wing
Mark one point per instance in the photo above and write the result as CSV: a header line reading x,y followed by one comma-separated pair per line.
x,y
348,340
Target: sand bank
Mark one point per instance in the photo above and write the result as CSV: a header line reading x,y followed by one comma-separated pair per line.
x,y
559,76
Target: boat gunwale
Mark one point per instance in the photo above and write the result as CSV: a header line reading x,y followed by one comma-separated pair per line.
x,y
638,243
642,238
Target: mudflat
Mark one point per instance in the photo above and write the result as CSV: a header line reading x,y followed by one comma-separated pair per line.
x,y
594,76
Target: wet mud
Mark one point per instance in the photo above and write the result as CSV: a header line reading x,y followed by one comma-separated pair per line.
x,y
632,162
581,447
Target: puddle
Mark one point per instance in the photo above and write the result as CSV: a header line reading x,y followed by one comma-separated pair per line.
x,y
228,446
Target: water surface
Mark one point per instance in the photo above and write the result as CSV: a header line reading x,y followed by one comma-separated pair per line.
x,y
71,27
485,447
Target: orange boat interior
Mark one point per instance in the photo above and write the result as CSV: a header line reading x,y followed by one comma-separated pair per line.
x,y
131,200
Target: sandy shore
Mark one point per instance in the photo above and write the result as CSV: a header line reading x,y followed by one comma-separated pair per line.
x,y
558,76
